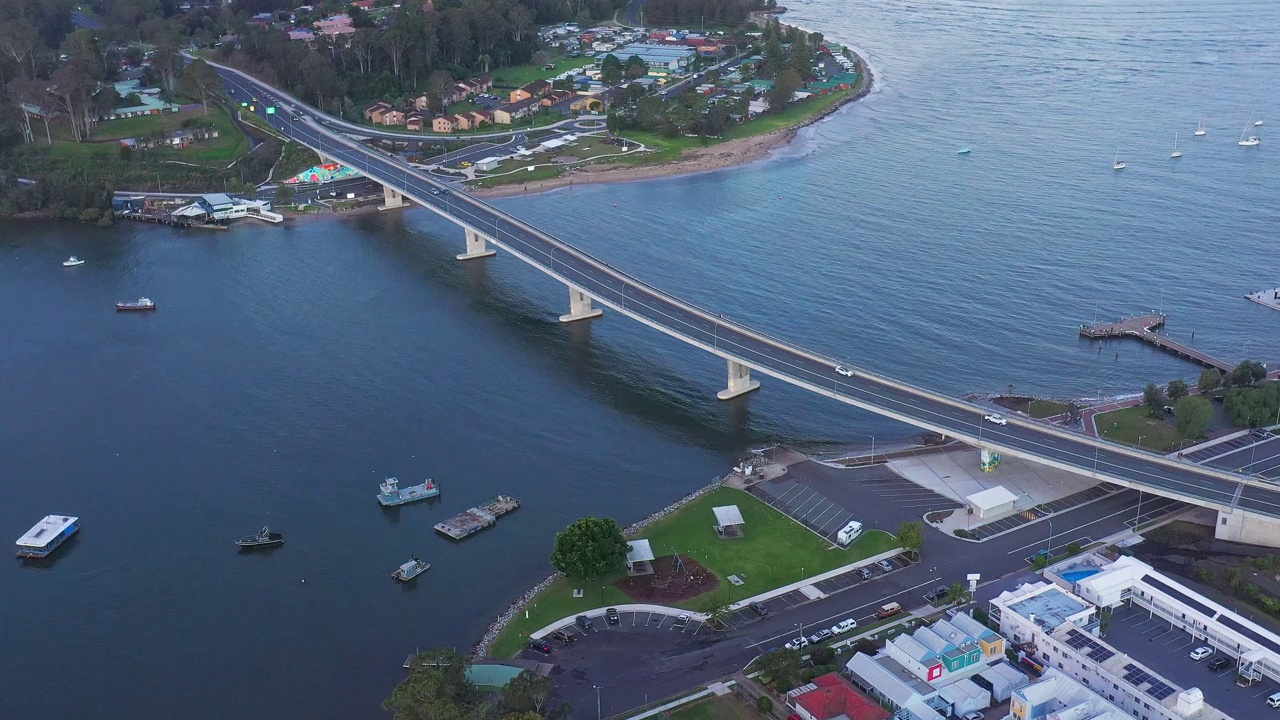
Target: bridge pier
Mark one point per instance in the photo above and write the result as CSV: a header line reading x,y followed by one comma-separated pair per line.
x,y
1235,525
580,307
740,382
391,198
476,246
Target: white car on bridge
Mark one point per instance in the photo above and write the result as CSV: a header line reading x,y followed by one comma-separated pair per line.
x,y
842,370
996,419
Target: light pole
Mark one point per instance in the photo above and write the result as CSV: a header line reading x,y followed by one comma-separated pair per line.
x,y
597,687
1140,441
1138,517
873,447
1049,550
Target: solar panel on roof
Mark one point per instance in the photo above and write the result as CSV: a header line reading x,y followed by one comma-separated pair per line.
x,y
1159,690
1178,595
1264,642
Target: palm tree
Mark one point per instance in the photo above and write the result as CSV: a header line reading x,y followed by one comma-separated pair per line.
x,y
485,61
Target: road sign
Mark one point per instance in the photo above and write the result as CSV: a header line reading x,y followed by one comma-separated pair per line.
x,y
244,104
271,110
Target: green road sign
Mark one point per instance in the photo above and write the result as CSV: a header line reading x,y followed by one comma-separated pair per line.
x,y
271,110
244,104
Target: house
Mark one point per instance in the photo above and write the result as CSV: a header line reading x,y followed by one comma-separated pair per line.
x,y
422,102
535,89
509,113
300,34
178,138
413,122
484,83
829,697
374,112
334,25
461,121
393,117
480,116
555,97
364,4
444,124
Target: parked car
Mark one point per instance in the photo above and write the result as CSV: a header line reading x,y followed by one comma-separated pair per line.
x,y
995,419
886,565
611,616
759,609
819,636
584,622
865,572
844,626
563,637
1219,663
681,621
888,610
797,643
972,716
938,595
1201,653
540,646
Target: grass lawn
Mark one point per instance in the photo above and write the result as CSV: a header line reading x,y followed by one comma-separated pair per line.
x,y
294,158
515,178
728,707
1128,424
1046,408
774,551
795,115
518,75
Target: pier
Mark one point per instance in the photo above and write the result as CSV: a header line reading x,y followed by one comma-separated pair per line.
x,y
1144,328
1270,298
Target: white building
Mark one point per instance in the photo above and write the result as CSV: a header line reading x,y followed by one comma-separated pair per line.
x,y
1057,696
1256,649
1058,629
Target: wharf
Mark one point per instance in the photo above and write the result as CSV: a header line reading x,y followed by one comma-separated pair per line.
x,y
1143,327
477,518
1270,298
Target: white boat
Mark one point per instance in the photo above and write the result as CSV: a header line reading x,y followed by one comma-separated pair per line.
x,y
1176,152
1249,141
964,151
1257,123
1200,129
72,261
1117,165
411,569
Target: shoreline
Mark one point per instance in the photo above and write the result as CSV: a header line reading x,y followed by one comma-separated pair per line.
x,y
723,156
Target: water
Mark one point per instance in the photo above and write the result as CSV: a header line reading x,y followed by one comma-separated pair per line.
x,y
288,368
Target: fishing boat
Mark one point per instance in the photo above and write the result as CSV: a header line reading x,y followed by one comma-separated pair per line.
x,y
392,494
411,569
1200,129
1117,164
47,535
264,538
72,261
1176,152
142,305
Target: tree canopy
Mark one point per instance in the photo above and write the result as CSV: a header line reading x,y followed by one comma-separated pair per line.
x,y
589,548
1153,399
1192,414
1254,406
1247,373
911,537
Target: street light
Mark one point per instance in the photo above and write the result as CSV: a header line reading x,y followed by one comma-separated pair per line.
x,y
1139,515
597,687
1049,550
1140,441
873,447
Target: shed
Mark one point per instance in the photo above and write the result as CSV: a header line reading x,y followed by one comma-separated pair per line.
x,y
639,557
487,164
992,502
729,521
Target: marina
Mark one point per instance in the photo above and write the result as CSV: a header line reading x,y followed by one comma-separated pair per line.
x,y
391,494
45,537
477,518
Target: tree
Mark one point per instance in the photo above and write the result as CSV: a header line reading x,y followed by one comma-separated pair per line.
x,y
636,69
540,58
202,81
1210,379
1176,390
1153,400
437,84
612,74
779,665
437,689
284,193
772,59
716,609
485,61
783,90
589,548
1192,413
911,537
521,22
764,704
801,58
1247,373
821,655
527,692
1253,407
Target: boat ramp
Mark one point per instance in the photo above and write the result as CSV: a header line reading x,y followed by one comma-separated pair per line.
x,y
477,518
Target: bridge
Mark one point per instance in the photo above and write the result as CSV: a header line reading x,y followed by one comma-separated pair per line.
x,y
1249,508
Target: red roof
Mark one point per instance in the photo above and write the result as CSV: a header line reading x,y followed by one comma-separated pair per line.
x,y
836,696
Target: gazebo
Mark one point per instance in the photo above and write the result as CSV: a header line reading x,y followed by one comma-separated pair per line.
x,y
729,521
639,558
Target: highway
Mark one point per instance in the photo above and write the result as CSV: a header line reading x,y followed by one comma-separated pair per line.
x,y
777,358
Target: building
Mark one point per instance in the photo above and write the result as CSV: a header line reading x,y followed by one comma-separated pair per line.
x,y
149,101
535,89
1059,630
393,117
830,697
489,164
414,122
220,206
479,116
673,58
937,671
992,503
300,34
511,112
1255,649
374,112
444,124
1057,696
729,521
555,97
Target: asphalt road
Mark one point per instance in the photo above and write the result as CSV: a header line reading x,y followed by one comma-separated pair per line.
x,y
775,357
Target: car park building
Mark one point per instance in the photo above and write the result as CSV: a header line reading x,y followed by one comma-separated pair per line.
x,y
1059,630
937,671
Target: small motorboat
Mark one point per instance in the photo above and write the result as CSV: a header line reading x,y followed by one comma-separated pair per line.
x,y
143,304
1257,123
264,538
72,261
411,569
964,151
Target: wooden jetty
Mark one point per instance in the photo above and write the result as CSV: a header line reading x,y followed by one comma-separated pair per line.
x,y
1269,298
477,518
1144,328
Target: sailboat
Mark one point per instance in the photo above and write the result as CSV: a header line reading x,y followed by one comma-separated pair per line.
x,y
1200,129
1249,141
1117,165
1176,152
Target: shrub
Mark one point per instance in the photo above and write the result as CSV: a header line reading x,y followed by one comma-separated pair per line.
x,y
1073,548
822,655
764,704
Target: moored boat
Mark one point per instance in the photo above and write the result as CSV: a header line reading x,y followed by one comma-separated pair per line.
x,y
264,538
411,569
47,535
72,261
141,305
392,494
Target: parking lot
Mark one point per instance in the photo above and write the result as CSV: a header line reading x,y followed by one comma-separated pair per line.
x,y
1166,651
1030,515
1259,453
1226,446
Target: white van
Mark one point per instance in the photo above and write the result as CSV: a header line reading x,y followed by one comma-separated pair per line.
x,y
849,532
1274,700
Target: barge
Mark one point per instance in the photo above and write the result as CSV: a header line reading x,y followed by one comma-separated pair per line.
x,y
477,518
391,494
47,535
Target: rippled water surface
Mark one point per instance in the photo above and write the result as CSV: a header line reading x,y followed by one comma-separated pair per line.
x,y
288,369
